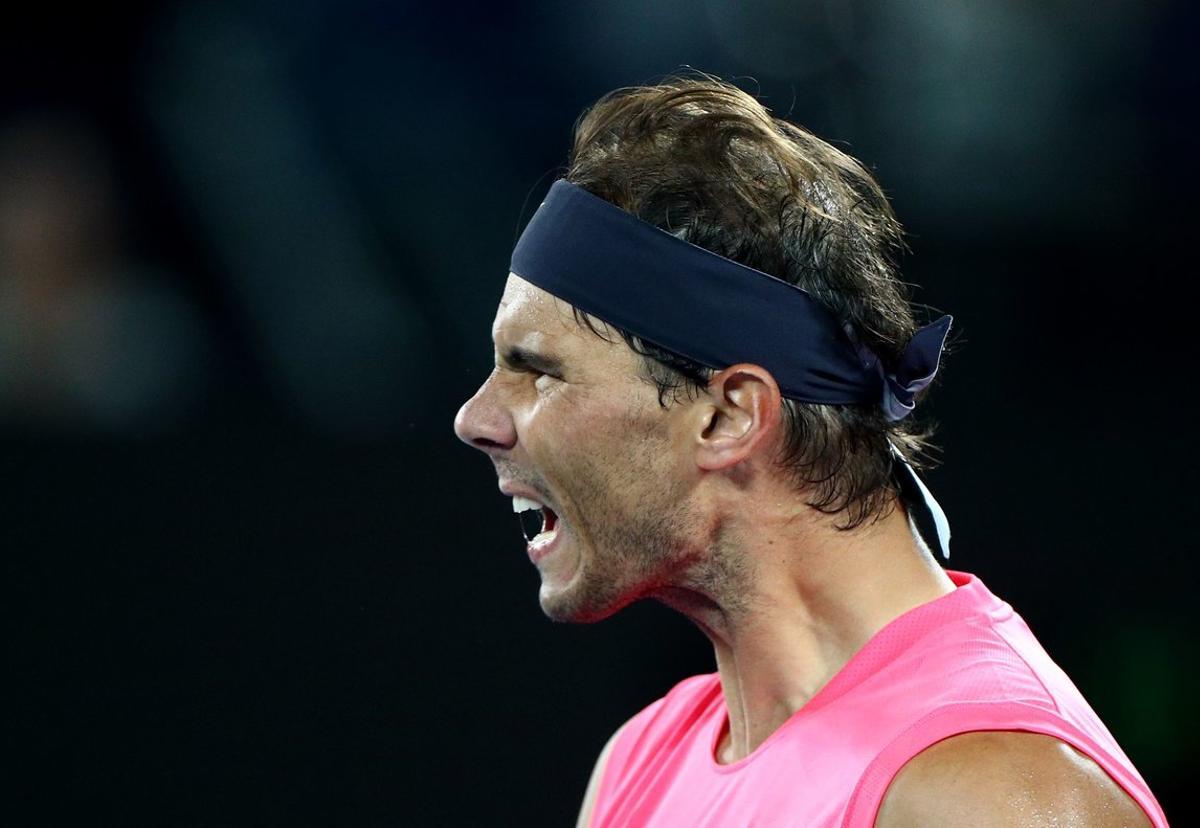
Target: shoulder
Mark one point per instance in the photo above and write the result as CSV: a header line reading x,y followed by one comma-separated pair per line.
x,y
593,787
1005,778
693,686
681,703
684,695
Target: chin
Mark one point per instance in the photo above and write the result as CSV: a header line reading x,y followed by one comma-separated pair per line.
x,y
582,601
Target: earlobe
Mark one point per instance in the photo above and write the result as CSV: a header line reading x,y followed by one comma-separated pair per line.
x,y
739,417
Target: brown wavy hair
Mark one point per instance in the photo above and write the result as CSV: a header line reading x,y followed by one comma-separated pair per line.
x,y
707,162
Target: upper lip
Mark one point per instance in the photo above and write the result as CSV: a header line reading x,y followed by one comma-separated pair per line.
x,y
519,491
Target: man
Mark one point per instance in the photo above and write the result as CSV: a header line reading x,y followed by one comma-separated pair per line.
x,y
705,364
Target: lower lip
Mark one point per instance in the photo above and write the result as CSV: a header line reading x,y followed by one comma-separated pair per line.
x,y
545,547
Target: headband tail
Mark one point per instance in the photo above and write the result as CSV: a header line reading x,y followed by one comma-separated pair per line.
x,y
927,513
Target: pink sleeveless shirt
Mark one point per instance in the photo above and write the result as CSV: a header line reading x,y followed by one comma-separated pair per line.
x,y
962,662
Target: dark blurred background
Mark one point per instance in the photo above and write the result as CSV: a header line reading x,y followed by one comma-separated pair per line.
x,y
249,257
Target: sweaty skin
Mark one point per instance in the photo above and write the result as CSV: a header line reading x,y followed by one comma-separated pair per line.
x,y
589,441
685,506
1006,780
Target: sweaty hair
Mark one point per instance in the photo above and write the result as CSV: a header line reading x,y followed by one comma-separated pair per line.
x,y
705,161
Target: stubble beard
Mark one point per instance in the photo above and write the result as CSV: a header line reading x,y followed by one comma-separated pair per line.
x,y
621,564
628,545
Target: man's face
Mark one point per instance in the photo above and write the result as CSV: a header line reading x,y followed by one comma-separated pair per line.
x,y
567,422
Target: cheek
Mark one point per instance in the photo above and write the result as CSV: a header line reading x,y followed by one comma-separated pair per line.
x,y
539,415
567,416
600,437
629,459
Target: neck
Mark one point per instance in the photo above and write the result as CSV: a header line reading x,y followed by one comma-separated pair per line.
x,y
787,603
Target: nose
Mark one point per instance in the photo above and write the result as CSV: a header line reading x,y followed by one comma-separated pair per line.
x,y
484,424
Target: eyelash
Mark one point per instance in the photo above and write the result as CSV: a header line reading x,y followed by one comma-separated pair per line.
x,y
534,372
537,375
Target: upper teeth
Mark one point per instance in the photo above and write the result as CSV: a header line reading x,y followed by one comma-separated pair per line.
x,y
524,504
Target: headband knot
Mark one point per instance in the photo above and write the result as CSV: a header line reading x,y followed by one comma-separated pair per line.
x,y
916,369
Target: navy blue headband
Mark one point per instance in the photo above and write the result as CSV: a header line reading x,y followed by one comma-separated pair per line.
x,y
703,306
717,312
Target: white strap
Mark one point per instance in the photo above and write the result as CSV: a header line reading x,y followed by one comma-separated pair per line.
x,y
940,521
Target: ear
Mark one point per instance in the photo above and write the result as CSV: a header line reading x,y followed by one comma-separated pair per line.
x,y
739,416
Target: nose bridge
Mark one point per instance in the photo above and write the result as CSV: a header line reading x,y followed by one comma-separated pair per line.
x,y
483,421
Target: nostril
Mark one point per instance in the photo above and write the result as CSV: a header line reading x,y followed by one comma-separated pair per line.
x,y
483,443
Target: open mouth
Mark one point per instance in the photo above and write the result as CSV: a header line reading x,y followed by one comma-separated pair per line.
x,y
538,521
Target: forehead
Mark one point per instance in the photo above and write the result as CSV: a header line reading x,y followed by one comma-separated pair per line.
x,y
529,316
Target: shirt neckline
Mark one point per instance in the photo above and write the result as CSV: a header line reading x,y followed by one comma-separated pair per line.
x,y
969,595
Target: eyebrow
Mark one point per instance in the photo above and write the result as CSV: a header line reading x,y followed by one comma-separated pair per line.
x,y
519,358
